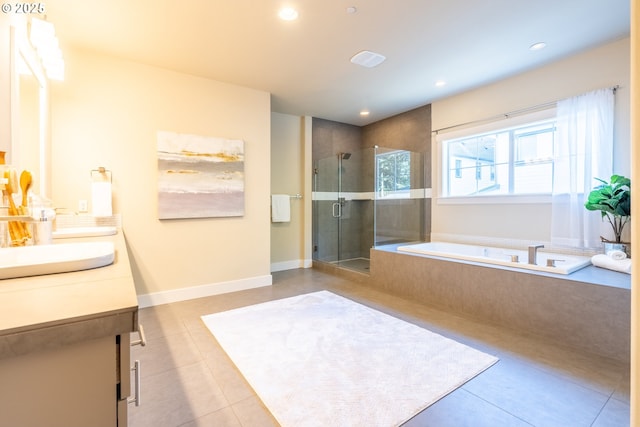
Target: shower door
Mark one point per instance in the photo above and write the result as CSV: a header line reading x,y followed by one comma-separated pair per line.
x,y
342,211
325,222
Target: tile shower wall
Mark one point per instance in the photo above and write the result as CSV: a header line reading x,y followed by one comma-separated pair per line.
x,y
406,131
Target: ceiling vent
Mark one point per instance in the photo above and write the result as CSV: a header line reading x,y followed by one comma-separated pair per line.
x,y
367,59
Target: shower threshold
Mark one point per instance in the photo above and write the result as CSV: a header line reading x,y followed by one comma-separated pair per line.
x,y
359,264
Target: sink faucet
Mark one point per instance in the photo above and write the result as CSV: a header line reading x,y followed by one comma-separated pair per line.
x,y
533,252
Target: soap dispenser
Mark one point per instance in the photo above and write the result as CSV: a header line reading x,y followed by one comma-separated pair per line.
x,y
43,229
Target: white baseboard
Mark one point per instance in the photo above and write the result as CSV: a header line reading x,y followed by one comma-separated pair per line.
x,y
183,294
291,265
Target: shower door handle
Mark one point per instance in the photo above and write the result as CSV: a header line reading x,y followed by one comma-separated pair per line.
x,y
337,213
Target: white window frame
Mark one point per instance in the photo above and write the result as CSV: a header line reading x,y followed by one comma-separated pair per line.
x,y
460,132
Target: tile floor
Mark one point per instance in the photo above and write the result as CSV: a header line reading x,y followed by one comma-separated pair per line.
x,y
187,379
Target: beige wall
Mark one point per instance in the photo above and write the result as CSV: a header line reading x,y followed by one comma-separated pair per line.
x,y
605,66
107,112
289,153
635,207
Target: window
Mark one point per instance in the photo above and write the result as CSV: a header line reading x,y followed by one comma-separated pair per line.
x,y
458,168
510,161
393,172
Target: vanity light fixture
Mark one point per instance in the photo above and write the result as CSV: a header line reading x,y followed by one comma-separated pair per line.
x,y
538,46
288,14
42,35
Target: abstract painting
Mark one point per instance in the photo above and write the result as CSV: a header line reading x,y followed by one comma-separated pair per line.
x,y
199,176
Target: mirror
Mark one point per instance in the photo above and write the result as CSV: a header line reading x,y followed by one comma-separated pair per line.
x,y
29,104
28,150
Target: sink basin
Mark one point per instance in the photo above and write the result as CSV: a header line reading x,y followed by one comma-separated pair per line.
x,y
66,233
57,258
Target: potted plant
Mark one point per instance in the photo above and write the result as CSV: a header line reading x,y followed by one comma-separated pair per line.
x,y
613,200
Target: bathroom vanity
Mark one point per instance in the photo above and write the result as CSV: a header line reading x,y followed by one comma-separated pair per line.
x,y
65,345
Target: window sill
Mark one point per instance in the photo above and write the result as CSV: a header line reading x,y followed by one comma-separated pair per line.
x,y
495,200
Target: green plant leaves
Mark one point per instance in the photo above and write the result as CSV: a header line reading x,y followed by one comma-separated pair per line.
x,y
613,200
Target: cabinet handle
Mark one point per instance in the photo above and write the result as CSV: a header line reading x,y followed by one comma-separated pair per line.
x,y
136,398
142,341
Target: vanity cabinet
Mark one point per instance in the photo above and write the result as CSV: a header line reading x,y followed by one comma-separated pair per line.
x,y
75,386
65,346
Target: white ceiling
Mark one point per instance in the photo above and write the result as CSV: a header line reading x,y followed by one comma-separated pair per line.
x,y
305,64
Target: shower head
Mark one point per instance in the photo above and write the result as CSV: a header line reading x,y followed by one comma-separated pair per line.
x,y
344,156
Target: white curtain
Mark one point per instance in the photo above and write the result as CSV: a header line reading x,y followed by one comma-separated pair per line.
x,y
584,151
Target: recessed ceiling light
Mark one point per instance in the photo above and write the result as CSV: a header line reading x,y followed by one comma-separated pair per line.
x,y
440,83
364,113
352,9
367,59
288,14
538,46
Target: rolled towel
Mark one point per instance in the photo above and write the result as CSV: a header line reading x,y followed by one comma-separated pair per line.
x,y
604,261
617,254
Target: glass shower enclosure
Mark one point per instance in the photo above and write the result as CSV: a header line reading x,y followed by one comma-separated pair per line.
x,y
364,199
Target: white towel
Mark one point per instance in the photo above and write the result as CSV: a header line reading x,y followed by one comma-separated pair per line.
x,y
616,254
280,208
101,198
604,261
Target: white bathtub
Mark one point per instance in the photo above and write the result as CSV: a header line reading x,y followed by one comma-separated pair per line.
x,y
564,264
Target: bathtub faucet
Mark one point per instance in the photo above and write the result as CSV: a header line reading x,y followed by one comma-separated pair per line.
x,y
533,252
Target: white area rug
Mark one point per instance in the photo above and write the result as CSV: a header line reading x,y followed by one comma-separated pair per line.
x,y
323,360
